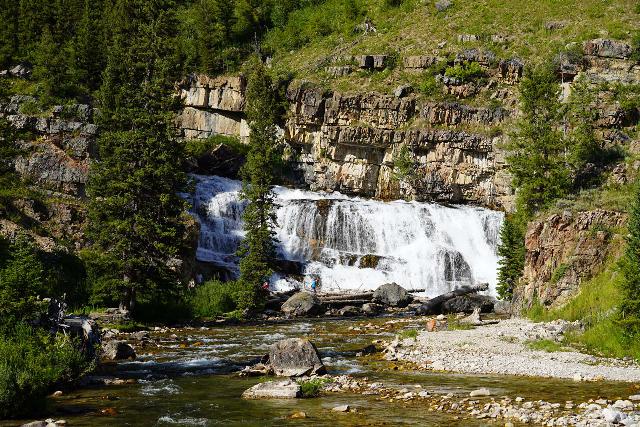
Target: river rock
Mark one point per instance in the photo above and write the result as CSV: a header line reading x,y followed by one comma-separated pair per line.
x,y
468,303
612,416
295,357
286,389
392,294
349,311
302,304
341,408
117,350
480,392
371,309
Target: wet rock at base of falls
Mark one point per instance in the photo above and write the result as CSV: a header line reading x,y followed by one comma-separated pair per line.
x,y
286,389
117,350
295,357
371,309
468,303
302,304
349,311
392,294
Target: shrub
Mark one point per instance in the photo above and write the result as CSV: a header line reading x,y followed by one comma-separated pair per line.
x,y
312,387
199,147
31,363
215,298
465,72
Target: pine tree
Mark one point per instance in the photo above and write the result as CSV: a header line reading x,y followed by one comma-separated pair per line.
x,y
511,254
258,248
630,266
537,150
135,211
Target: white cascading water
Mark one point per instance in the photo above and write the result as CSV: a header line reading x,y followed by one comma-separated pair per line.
x,y
352,244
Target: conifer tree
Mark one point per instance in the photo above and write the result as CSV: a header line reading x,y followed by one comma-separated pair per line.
x,y
135,211
537,150
630,266
258,249
511,254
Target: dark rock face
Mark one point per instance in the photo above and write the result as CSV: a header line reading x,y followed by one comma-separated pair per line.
x,y
221,161
117,350
606,48
392,294
468,303
295,357
302,304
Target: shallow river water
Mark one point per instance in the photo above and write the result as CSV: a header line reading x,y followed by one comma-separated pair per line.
x,y
185,379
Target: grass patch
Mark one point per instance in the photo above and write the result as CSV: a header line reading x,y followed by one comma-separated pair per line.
x,y
408,333
313,387
596,307
455,325
545,345
199,147
126,326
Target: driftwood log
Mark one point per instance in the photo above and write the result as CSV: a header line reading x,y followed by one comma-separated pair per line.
x,y
434,305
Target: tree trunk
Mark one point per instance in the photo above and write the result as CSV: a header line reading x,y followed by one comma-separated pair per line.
x,y
128,300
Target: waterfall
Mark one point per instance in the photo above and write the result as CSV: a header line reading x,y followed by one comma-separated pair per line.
x,y
357,244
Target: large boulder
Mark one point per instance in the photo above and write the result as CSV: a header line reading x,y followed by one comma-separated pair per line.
x,y
392,294
295,357
286,389
302,304
606,48
468,303
117,350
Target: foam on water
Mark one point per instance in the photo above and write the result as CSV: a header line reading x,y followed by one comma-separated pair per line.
x,y
357,244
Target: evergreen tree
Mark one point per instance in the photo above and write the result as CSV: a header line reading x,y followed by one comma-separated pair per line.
x,y
213,21
630,266
511,254
537,151
8,31
258,249
135,211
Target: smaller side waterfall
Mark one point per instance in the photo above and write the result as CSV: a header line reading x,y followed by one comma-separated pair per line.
x,y
357,244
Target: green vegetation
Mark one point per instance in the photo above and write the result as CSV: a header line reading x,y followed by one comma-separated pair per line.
x,y
31,363
511,253
465,72
313,387
216,298
199,147
403,164
630,267
257,250
545,345
559,273
456,325
408,333
135,211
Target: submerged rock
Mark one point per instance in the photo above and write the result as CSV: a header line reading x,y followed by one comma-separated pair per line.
x,y
295,357
286,389
117,350
302,304
392,294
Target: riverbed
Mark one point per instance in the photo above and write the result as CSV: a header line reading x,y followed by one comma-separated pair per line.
x,y
187,377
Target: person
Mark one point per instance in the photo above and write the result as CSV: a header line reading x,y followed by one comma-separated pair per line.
x,y
265,286
313,285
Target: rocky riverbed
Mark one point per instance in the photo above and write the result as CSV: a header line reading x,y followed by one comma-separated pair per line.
x,y
506,348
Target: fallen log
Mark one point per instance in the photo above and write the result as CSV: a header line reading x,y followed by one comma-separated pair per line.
x,y
434,305
343,296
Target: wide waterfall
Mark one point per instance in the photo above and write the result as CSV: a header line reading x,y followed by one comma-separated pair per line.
x,y
352,244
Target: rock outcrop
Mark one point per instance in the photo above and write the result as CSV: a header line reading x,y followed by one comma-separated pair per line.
x,y
286,389
295,357
565,249
117,350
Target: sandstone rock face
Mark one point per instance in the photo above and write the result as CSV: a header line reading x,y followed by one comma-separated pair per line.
x,y
302,304
287,389
349,143
392,294
295,357
563,250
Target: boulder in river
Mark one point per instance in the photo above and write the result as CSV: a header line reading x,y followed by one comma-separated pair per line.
x,y
295,357
392,294
286,389
371,308
468,303
302,304
117,350
349,311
